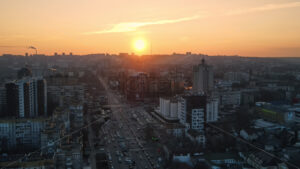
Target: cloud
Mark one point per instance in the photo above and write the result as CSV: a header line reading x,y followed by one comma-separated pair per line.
x,y
133,26
267,7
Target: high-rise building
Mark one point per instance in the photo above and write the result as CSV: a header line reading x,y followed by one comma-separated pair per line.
x,y
212,110
168,108
203,78
191,113
26,97
41,97
13,100
2,101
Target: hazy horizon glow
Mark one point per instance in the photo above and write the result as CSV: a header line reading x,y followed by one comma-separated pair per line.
x,y
232,27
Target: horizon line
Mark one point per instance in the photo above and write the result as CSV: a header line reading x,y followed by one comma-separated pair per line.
x,y
162,54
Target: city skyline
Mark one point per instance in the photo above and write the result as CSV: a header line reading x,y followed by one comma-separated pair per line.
x,y
114,112
172,84
248,28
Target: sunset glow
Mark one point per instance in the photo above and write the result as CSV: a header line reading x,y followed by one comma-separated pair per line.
x,y
149,84
234,27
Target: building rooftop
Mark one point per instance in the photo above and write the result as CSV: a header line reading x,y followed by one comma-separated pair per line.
x,y
221,156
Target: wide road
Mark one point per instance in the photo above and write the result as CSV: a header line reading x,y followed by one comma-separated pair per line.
x,y
91,142
122,128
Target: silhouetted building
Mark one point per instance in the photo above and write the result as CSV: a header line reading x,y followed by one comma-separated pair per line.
x,y
212,110
3,103
137,87
26,97
13,101
192,114
24,72
203,78
63,90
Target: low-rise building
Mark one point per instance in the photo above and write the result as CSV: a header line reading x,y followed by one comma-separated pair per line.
x,y
21,132
260,160
237,76
277,113
36,164
230,98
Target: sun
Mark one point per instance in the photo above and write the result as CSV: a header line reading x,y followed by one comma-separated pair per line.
x,y
139,45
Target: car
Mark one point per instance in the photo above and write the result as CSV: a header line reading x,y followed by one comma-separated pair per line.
x,y
119,160
128,160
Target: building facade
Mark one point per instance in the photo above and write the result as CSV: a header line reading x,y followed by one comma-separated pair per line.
x,y
2,101
230,98
212,110
203,78
168,108
26,97
21,132
192,114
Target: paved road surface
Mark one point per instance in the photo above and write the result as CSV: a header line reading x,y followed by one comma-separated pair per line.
x,y
122,127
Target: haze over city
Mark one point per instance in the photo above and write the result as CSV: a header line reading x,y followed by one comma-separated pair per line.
x,y
217,27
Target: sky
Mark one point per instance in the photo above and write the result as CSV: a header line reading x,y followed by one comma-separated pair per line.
x,y
214,27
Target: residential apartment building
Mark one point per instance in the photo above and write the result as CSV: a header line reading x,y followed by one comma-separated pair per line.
x,y
21,132
203,78
26,97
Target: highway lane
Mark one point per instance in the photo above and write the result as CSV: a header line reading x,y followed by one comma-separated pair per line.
x,y
120,114
91,142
